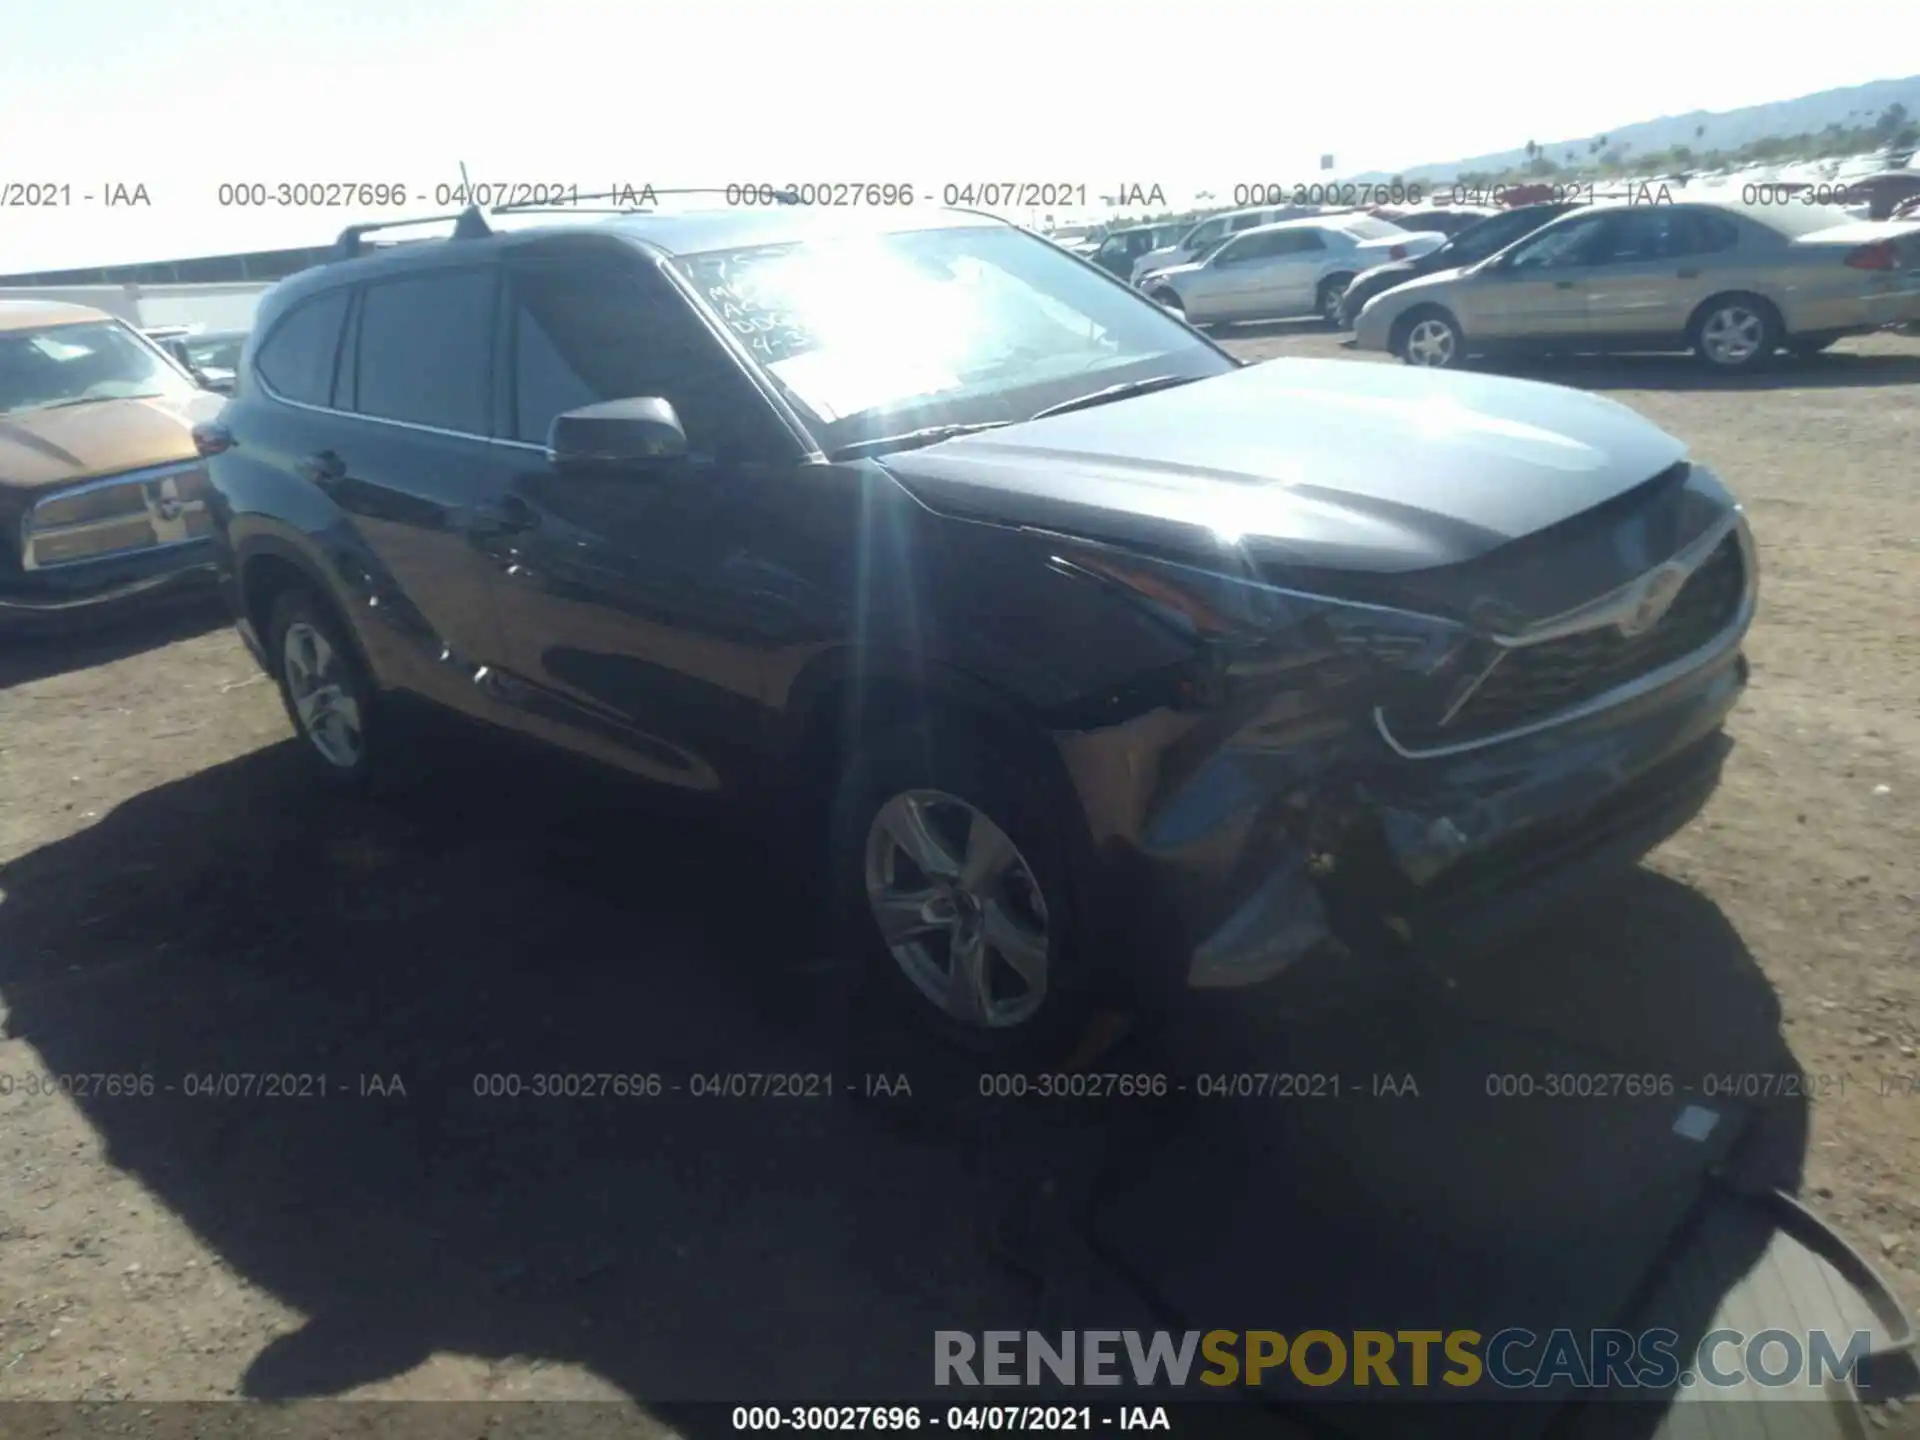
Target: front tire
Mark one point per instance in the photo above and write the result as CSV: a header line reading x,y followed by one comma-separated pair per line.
x,y
1430,338
1735,334
1333,290
328,694
953,883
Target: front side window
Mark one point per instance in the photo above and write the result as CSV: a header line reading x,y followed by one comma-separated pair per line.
x,y
953,325
424,349
588,330
61,365
1567,244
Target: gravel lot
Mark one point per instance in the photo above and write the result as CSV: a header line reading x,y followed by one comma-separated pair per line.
x,y
174,900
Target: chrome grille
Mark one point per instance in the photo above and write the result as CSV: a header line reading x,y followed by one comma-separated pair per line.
x,y
1529,684
118,515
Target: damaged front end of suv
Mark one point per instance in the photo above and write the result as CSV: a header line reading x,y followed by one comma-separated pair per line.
x,y
1433,756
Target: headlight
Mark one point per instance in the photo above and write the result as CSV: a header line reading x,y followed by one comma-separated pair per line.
x,y
1252,638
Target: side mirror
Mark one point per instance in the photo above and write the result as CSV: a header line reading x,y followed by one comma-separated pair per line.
x,y
218,381
616,434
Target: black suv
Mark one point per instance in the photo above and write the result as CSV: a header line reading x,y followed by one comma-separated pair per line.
x,y
1114,666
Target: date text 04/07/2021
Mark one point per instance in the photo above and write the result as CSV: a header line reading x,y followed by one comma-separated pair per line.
x,y
992,1419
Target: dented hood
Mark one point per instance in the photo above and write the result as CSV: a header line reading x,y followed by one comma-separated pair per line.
x,y
1332,462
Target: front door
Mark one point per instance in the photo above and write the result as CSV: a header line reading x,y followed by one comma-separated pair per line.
x,y
631,602
1539,291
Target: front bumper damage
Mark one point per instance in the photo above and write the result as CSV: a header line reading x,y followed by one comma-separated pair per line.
x,y
1243,839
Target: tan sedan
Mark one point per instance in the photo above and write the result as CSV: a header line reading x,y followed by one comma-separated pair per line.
x,y
1733,283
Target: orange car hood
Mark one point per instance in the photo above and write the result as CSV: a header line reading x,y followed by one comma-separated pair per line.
x,y
78,442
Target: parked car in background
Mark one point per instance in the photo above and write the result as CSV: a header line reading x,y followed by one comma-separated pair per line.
x,y
712,528
1449,220
1211,231
1297,267
1117,253
1732,283
102,492
1499,230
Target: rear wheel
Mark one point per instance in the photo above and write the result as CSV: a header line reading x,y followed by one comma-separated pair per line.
x,y
1735,333
953,881
1430,338
1333,289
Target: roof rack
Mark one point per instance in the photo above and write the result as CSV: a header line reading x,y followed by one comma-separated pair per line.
x,y
537,207
469,224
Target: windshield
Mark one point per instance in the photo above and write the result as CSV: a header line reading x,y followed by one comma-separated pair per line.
x,y
873,334
216,352
74,364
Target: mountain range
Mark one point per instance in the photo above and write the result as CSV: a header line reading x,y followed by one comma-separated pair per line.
x,y
1702,130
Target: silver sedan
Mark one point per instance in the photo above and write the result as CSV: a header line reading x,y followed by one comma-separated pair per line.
x,y
1733,283
1298,267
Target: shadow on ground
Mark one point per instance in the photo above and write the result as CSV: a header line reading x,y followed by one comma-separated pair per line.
x,y
510,919
82,644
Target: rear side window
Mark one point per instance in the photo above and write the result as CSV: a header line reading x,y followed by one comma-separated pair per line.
x,y
297,360
424,351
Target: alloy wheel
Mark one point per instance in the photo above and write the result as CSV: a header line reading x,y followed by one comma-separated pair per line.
x,y
1330,299
1431,342
1733,335
959,908
321,688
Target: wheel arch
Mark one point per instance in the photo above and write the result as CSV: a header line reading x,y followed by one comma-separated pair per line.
x,y
267,569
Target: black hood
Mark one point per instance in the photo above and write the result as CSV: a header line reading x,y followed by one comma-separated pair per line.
x,y
1330,464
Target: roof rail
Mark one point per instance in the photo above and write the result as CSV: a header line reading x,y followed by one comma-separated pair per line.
x,y
469,224
635,196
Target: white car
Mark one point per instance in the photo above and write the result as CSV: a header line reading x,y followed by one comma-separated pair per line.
x,y
1297,267
1209,233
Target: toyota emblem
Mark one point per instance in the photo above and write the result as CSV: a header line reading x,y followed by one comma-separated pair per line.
x,y
1656,597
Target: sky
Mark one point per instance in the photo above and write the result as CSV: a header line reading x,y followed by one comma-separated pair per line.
x,y
1204,94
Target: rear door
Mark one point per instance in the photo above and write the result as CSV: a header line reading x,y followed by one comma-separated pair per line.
x,y
1654,266
414,463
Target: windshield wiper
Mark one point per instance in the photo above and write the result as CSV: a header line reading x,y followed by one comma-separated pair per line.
x,y
929,435
1114,392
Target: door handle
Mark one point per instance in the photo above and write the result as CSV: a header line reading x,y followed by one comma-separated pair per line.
x,y
324,469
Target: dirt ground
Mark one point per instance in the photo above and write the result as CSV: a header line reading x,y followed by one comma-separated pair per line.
x,y
176,901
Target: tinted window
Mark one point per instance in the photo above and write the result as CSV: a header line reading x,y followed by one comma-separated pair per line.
x,y
1657,232
599,330
1710,232
1563,244
1247,222
1202,235
297,359
1251,247
1496,233
424,349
